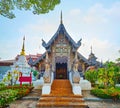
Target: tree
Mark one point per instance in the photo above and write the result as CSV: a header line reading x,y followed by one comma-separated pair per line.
x,y
118,59
37,6
92,76
105,76
109,75
35,72
11,78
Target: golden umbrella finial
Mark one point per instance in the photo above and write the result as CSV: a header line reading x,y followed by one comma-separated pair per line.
x,y
23,47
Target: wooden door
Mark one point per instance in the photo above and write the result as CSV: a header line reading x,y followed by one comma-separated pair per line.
x,y
61,71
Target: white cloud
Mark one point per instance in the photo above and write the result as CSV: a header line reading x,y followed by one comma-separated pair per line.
x,y
114,10
39,28
102,49
9,49
35,32
75,12
34,45
99,14
95,15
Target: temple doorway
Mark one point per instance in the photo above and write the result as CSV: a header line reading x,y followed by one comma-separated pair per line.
x,y
61,70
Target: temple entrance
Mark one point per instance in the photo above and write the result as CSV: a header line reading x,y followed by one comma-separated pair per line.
x,y
61,70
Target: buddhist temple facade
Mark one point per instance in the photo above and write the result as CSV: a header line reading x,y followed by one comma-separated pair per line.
x,y
61,49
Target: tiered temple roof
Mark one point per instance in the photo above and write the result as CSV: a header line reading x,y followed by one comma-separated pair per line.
x,y
61,30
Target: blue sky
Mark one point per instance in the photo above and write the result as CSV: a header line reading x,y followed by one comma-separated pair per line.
x,y
97,22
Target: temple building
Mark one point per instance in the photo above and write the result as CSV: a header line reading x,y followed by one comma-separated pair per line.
x,y
93,60
62,49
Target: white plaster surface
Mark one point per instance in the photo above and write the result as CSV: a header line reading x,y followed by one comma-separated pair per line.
x,y
85,84
76,89
47,86
46,89
38,82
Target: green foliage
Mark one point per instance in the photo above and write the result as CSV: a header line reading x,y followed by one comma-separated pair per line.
x,y
100,93
7,96
11,93
2,86
109,93
11,77
113,67
105,77
118,88
116,78
8,79
35,72
37,6
91,75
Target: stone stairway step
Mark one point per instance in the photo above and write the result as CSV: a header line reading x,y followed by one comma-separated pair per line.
x,y
61,87
61,84
70,96
61,99
62,104
61,95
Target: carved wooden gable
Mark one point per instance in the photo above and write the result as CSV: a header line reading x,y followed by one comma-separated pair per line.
x,y
62,46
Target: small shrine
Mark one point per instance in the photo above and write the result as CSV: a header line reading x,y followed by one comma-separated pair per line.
x,y
19,66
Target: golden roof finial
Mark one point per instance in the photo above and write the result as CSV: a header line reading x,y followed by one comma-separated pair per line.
x,y
61,18
23,47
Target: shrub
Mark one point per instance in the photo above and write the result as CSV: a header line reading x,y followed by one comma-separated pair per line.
x,y
22,92
2,86
91,75
100,93
11,93
109,93
7,96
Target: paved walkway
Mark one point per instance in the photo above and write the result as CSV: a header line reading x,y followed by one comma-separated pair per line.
x,y
91,104
98,104
31,100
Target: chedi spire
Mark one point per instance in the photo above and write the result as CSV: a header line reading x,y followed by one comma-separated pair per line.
x,y
61,18
23,47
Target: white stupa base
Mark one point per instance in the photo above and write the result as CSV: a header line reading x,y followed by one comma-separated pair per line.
x,y
46,89
76,89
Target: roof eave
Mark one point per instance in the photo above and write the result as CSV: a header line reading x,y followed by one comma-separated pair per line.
x,y
39,59
83,58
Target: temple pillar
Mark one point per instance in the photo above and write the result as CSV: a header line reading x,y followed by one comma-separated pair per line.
x,y
53,60
69,63
83,67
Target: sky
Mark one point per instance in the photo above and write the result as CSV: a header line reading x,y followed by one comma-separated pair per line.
x,y
97,22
